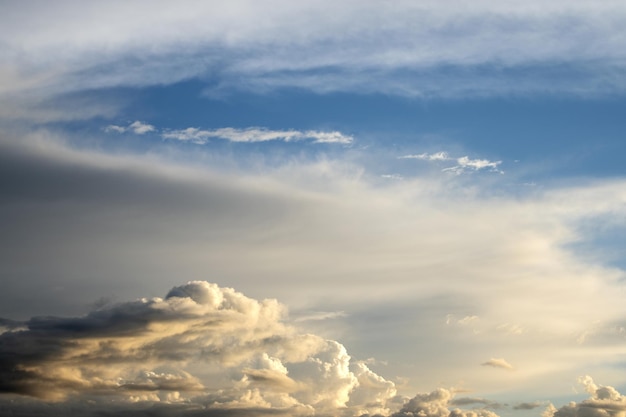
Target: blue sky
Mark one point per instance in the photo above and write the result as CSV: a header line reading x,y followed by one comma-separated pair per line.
x,y
312,208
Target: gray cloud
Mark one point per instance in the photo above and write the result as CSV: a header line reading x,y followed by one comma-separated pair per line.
x,y
529,406
481,401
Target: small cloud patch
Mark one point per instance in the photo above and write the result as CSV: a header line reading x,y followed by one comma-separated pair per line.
x,y
498,363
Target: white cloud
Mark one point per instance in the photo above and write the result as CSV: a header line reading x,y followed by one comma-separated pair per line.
x,y
437,156
136,127
491,48
464,163
254,134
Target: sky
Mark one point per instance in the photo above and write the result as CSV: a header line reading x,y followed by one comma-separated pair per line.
x,y
313,208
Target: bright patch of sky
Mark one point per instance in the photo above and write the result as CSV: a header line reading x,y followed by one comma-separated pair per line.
x,y
319,208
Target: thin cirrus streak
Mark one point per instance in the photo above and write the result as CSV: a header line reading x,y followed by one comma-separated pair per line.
x,y
242,135
464,163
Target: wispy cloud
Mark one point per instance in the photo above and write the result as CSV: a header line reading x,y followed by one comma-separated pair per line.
x,y
464,163
494,48
437,156
255,134
136,127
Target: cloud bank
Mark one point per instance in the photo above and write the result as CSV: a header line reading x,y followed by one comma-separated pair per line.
x,y
603,401
201,345
200,349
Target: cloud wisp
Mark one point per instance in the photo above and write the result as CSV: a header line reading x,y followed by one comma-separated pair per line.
x,y
239,135
255,134
464,163
421,48
137,127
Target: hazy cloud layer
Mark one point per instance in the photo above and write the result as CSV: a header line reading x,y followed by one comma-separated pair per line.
x,y
422,48
466,272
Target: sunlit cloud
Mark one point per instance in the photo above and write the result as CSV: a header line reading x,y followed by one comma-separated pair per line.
x,y
498,363
603,401
175,349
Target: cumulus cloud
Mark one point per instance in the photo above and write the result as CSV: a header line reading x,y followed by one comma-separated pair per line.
x,y
136,127
498,363
437,404
254,134
201,344
603,401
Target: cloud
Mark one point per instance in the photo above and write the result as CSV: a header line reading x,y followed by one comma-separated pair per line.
x,y
254,134
498,363
321,236
178,348
320,316
437,156
136,127
464,163
482,401
436,404
529,405
604,401
423,48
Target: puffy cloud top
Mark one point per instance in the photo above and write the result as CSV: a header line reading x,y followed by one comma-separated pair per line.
x,y
203,345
